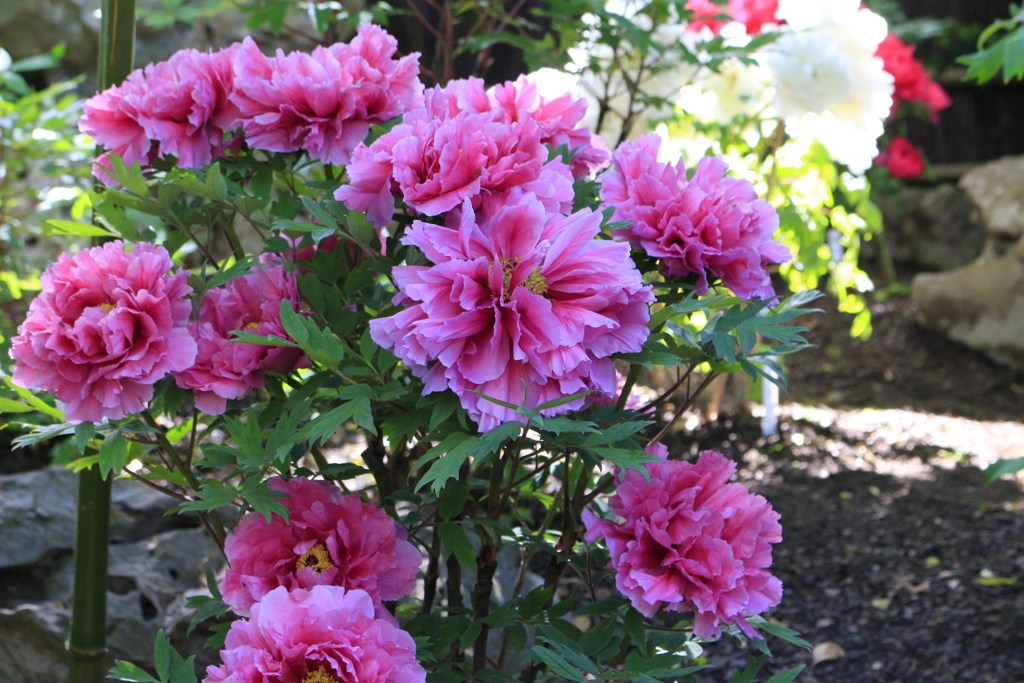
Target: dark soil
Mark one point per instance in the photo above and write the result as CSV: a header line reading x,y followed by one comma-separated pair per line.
x,y
895,550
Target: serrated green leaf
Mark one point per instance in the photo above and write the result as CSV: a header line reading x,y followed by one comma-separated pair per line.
x,y
597,638
447,465
454,540
634,623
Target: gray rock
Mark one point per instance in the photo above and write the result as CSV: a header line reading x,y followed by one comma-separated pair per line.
x,y
931,228
982,303
38,514
997,189
32,644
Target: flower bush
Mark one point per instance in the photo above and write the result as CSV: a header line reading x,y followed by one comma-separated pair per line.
x,y
468,301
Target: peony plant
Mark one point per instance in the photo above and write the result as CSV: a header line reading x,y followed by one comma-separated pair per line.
x,y
466,282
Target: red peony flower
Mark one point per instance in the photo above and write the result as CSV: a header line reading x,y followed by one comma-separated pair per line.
x,y
911,81
690,541
323,635
329,539
902,159
106,327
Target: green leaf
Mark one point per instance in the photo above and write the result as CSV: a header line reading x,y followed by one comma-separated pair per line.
x,y
235,270
113,453
162,655
264,500
57,227
454,540
126,671
10,406
557,663
1003,467
634,623
83,434
597,638
33,400
452,500
630,460
447,465
786,676
243,337
747,675
505,404
554,403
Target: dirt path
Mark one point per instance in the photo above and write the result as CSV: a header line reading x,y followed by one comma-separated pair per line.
x,y
894,547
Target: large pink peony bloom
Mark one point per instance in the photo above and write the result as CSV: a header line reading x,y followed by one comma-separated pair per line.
x,y
229,370
461,145
322,635
324,102
690,541
708,225
107,325
330,539
522,298
179,107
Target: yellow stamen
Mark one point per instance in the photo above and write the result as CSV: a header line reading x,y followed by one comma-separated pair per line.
x,y
319,676
317,558
251,326
107,307
536,282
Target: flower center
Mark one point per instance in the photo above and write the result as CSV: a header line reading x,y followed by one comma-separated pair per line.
x,y
319,676
536,282
317,558
507,266
107,307
251,326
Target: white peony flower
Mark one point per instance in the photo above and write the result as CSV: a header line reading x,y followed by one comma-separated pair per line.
x,y
829,84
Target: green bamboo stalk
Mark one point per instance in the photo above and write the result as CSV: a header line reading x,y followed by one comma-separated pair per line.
x,y
87,642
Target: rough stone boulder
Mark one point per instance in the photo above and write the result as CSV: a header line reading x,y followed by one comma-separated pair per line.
x,y
981,304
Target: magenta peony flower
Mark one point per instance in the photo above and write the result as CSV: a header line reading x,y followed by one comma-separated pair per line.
x,y
690,541
710,224
329,539
322,635
107,325
179,107
324,102
457,147
229,370
523,296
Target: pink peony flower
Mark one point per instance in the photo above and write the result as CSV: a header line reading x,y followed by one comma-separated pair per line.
x,y
323,635
107,325
435,163
690,541
324,102
465,143
225,369
522,298
179,107
558,119
329,539
710,224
